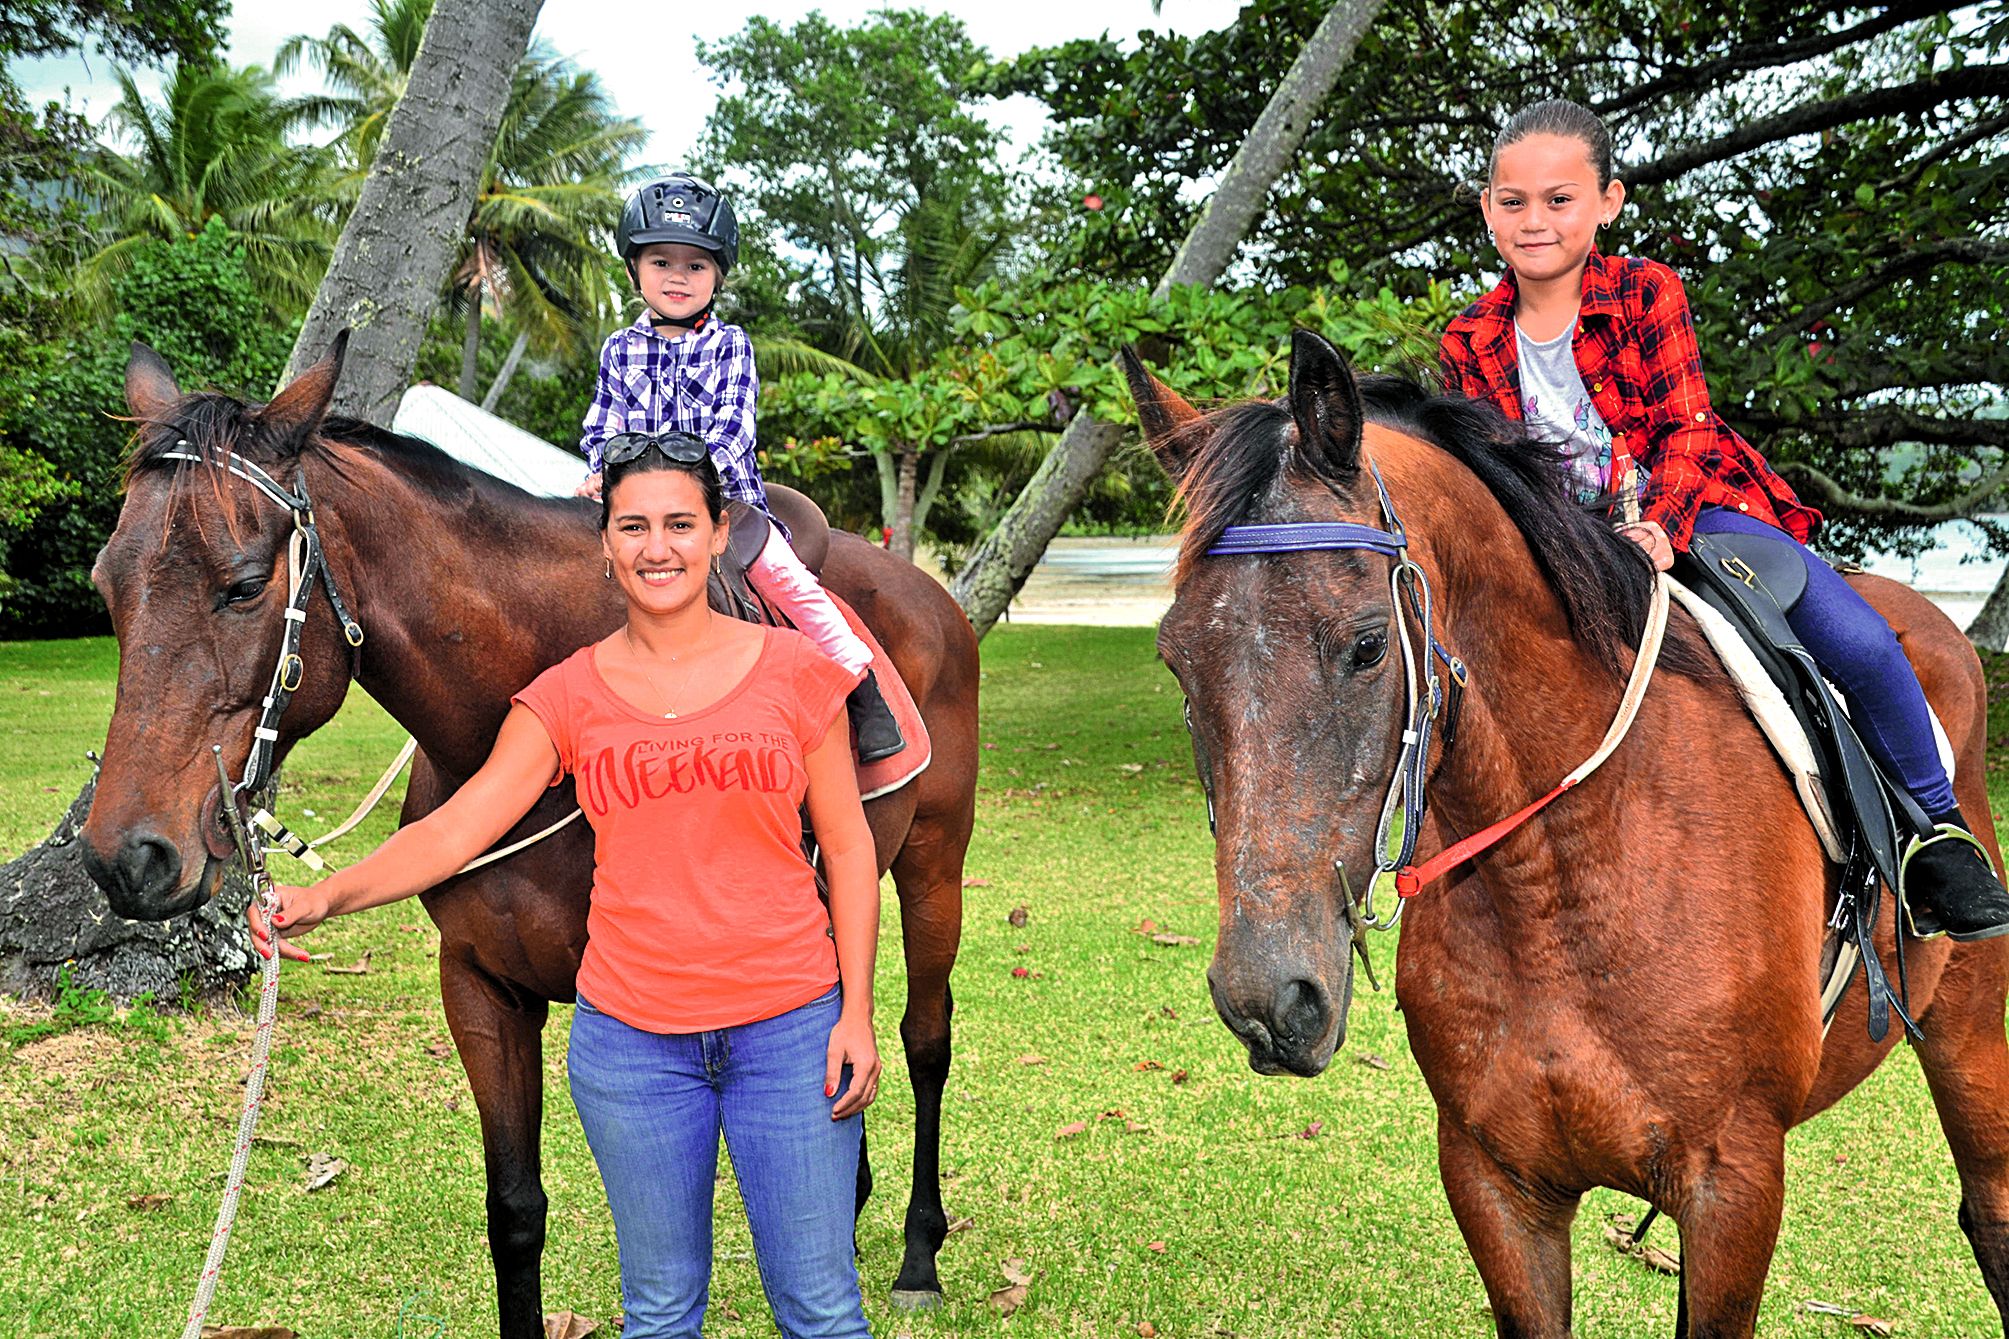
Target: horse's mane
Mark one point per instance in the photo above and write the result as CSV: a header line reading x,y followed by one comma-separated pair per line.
x,y
1595,573
214,423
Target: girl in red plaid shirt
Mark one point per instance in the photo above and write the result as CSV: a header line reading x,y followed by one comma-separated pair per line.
x,y
1598,354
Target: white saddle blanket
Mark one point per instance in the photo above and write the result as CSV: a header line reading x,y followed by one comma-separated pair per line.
x,y
1768,706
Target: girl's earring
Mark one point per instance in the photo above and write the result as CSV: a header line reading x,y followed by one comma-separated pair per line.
x,y
610,569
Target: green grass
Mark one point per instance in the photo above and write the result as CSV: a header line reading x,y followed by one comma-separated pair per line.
x,y
1090,818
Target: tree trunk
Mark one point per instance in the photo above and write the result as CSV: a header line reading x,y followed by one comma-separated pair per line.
x,y
401,238
53,916
931,488
909,467
470,347
1000,564
501,383
1990,629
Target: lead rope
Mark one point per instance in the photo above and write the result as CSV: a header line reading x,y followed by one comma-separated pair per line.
x,y
1411,879
254,1083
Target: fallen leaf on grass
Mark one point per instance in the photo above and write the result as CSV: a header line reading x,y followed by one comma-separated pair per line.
x,y
1032,1060
1157,1246
1146,1330
360,969
1310,1131
1021,971
959,1225
1114,1113
1016,1271
319,957
1018,917
1133,768
1147,1064
1008,1300
1021,948
1069,1131
1173,939
1168,1011
1371,1060
1145,927
1871,1325
1863,1321
409,929
247,1332
1135,1127
440,1050
568,1325
976,883
1618,1233
1178,1076
322,1169
148,1203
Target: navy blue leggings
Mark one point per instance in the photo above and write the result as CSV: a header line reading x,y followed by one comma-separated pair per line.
x,y
1860,653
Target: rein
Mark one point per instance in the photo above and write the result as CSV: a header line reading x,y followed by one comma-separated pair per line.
x,y
1407,786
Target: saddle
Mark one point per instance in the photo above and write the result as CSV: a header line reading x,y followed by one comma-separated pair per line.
x,y
1753,582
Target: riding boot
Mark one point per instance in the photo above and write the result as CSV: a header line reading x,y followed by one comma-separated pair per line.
x,y
874,732
1952,885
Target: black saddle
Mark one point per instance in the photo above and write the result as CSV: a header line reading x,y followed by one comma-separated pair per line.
x,y
808,535
1754,582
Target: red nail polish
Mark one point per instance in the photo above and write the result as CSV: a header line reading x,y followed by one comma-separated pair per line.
x,y
830,1090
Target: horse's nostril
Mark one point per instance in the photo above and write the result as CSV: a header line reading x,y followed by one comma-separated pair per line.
x,y
1299,1012
148,867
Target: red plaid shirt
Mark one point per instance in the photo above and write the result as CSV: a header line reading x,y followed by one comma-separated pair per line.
x,y
1635,349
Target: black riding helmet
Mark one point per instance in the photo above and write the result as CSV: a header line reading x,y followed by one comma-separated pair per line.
x,y
679,208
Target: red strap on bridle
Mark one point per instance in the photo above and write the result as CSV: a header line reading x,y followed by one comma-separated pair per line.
x,y
1409,880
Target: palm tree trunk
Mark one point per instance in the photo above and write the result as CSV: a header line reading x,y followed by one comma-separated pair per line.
x,y
399,242
470,345
1990,629
501,382
909,468
1000,564
931,488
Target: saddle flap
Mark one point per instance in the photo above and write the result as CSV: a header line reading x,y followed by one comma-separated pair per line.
x,y
1757,563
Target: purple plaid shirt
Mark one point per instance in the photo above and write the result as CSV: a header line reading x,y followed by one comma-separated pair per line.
x,y
703,384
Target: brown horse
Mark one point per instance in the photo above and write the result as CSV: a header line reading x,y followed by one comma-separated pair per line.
x,y
1624,992
467,588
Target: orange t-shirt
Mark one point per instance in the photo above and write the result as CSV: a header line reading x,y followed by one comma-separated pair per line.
x,y
704,911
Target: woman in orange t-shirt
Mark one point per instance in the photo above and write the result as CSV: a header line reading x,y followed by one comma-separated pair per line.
x,y
715,995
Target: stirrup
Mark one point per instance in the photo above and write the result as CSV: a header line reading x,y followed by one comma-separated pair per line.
x,y
1941,833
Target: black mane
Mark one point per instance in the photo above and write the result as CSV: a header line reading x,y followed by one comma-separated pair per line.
x,y
1596,574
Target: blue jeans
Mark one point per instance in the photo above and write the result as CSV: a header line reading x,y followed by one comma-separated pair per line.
x,y
654,1105
1853,643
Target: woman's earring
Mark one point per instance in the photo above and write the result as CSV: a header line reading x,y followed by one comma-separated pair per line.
x,y
610,569
718,570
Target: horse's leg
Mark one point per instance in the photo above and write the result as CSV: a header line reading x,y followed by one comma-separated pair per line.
x,y
1966,1064
929,875
1520,1243
1729,1218
500,1038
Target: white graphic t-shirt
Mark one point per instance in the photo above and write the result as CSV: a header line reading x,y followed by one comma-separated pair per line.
x,y
1557,408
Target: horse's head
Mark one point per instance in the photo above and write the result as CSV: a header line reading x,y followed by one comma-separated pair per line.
x,y
1295,692
196,579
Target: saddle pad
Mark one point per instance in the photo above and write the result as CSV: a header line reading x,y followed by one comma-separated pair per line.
x,y
889,774
1775,718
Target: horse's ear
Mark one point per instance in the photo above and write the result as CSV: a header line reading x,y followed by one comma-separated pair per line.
x,y
150,388
296,412
1161,411
1326,404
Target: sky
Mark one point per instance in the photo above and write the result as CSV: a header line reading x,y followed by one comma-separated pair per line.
x,y
646,55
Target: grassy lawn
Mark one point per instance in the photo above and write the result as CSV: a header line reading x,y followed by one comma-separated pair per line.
x,y
1189,1204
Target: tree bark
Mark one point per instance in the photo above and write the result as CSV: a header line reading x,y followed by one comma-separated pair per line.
x,y
501,382
931,488
400,241
1990,629
470,347
52,916
1000,565
907,465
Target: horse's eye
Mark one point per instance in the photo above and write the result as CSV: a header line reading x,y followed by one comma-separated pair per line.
x,y
244,591
1368,649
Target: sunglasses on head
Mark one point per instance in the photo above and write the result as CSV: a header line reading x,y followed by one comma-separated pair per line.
x,y
680,447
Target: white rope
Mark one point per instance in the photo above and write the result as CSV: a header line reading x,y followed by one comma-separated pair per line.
x,y
247,1125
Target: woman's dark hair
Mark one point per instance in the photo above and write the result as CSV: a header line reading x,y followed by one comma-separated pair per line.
x,y
1557,117
649,462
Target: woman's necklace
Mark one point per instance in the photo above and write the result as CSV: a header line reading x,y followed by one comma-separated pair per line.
x,y
642,663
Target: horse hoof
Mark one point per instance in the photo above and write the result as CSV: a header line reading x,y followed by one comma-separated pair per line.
x,y
916,1299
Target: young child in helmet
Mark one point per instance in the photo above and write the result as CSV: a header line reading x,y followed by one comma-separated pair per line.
x,y
679,370
1598,354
